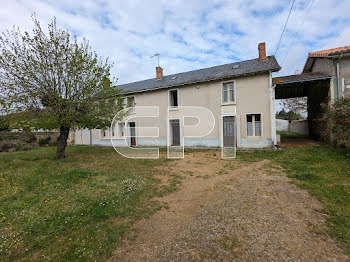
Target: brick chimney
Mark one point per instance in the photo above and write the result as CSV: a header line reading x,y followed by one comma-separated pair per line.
x,y
159,72
262,51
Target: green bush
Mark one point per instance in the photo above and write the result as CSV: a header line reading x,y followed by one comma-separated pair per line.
x,y
6,147
4,124
44,141
31,138
338,117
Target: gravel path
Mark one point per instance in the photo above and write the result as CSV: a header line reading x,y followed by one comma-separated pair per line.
x,y
245,212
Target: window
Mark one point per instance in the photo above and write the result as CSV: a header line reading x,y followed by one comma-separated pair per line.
x,y
121,129
104,133
228,93
174,100
113,131
254,125
130,102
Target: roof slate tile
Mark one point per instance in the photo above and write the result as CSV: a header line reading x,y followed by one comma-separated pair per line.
x,y
226,71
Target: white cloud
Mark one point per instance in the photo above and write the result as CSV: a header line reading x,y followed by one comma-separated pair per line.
x,y
189,34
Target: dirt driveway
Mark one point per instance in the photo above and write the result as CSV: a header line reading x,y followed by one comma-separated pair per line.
x,y
227,210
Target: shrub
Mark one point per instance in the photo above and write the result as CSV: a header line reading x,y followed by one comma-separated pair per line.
x,y
338,118
18,147
6,147
44,141
4,124
31,138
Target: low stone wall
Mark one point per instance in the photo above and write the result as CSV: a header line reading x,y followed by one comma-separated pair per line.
x,y
299,127
42,135
14,141
282,125
295,126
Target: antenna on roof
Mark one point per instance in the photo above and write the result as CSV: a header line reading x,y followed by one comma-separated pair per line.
x,y
156,54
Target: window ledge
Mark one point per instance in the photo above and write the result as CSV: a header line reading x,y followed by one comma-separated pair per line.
x,y
174,108
228,103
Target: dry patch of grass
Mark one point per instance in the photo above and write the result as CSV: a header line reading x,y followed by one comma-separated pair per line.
x,y
229,243
325,173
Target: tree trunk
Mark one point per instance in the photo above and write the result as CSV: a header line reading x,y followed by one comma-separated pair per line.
x,y
62,142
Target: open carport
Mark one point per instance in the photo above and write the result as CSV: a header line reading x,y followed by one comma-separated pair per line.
x,y
315,86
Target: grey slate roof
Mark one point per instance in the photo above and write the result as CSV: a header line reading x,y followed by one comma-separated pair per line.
x,y
304,77
226,71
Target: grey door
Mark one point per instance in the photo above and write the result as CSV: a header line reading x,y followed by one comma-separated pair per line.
x,y
175,132
229,131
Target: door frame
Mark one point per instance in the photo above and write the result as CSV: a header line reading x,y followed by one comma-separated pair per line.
x,y
221,129
169,131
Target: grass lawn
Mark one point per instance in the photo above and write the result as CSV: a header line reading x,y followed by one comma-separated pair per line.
x,y
325,173
291,135
78,208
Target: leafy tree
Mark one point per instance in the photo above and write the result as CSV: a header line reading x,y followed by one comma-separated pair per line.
x,y
50,81
290,115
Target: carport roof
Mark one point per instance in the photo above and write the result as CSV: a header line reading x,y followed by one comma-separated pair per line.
x,y
300,85
301,78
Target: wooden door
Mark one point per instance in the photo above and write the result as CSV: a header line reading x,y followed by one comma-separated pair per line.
x,y
132,133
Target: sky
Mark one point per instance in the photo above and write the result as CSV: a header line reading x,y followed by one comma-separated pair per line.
x,y
190,34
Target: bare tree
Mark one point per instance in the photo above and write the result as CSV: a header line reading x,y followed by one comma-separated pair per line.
x,y
297,105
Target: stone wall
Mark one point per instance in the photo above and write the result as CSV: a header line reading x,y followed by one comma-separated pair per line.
x,y
317,95
53,136
14,141
295,126
282,125
299,126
